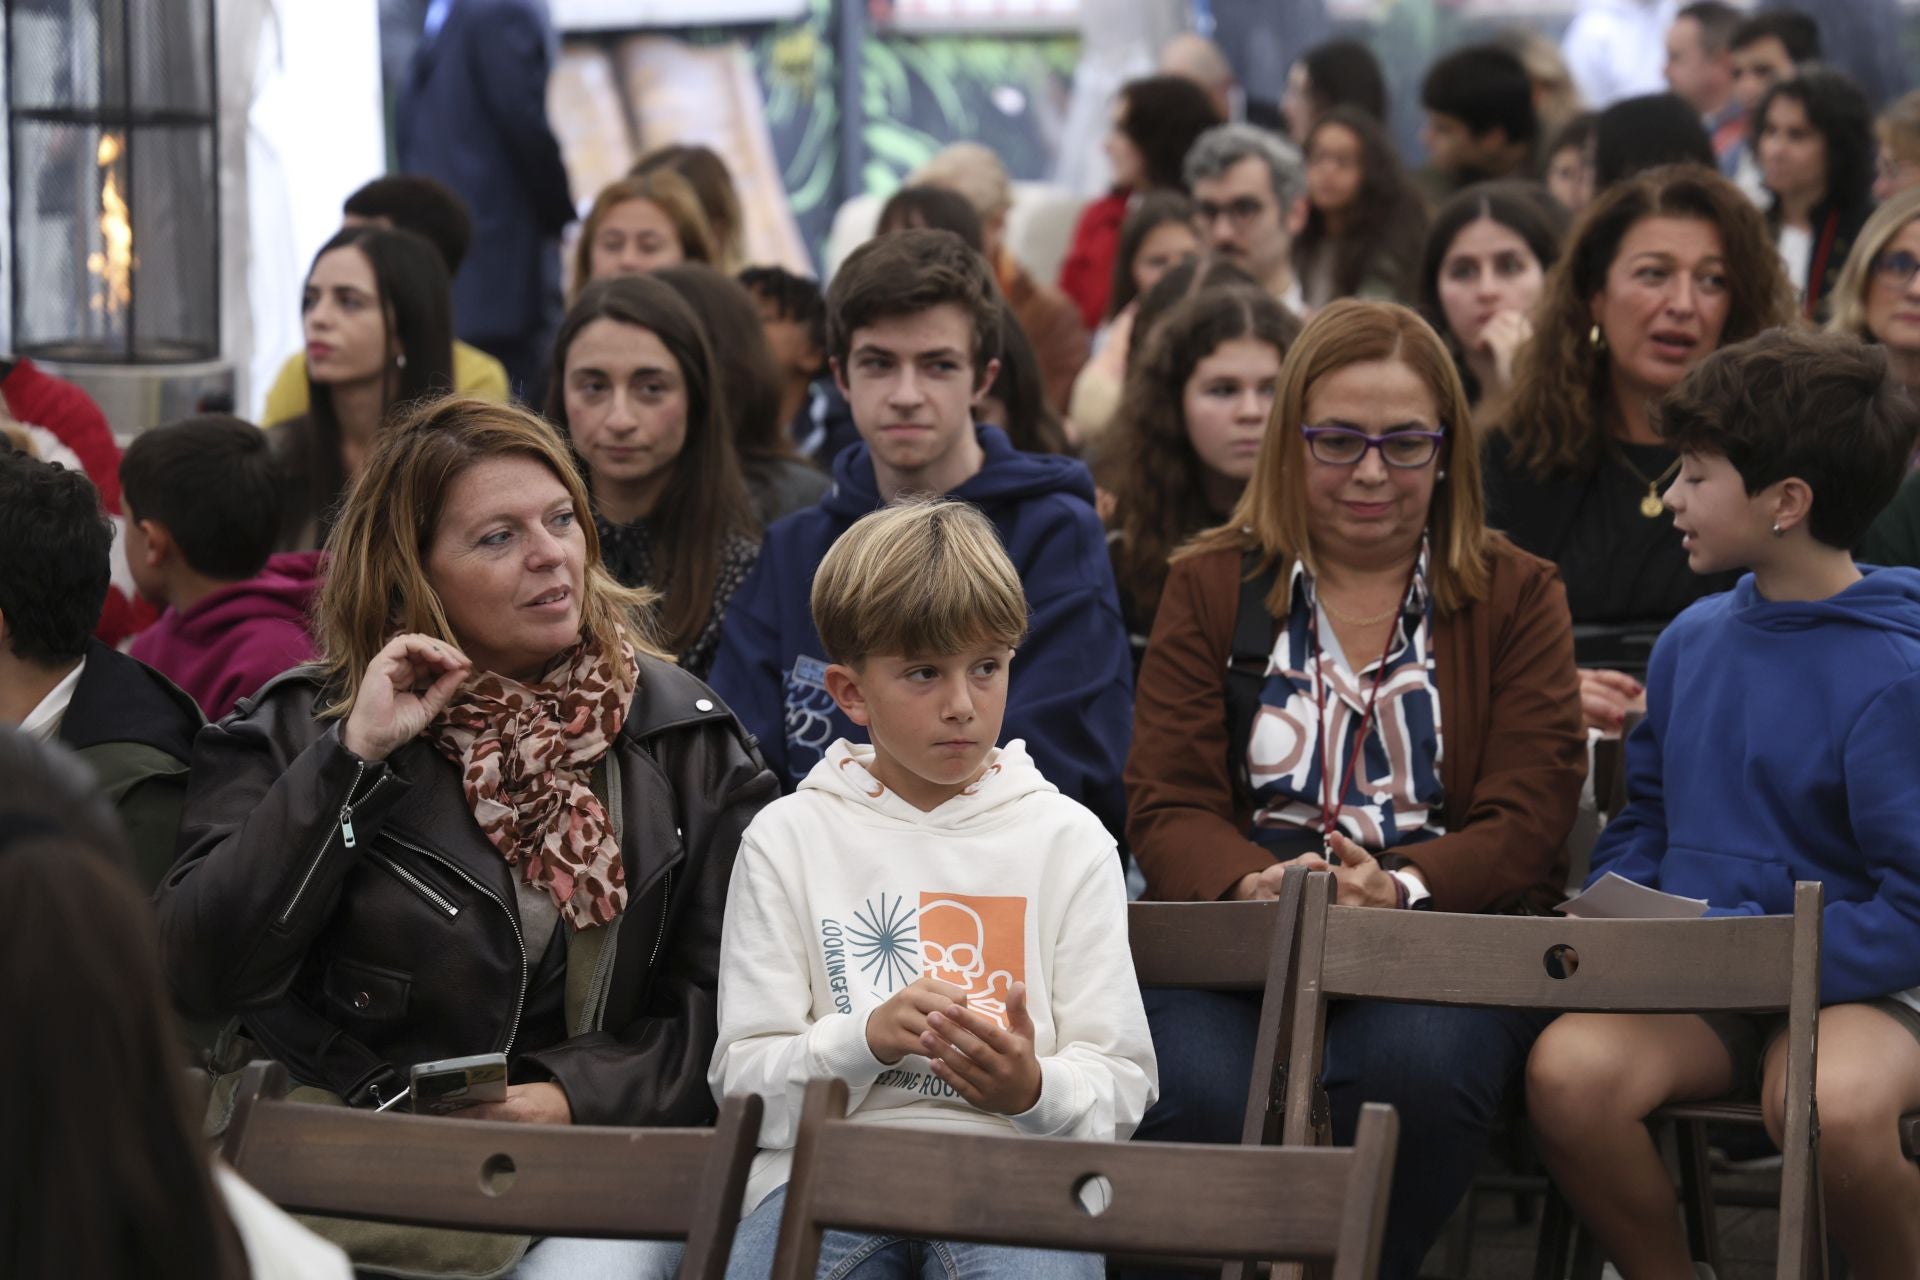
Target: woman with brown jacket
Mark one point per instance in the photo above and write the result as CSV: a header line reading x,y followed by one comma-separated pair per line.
x,y
1441,774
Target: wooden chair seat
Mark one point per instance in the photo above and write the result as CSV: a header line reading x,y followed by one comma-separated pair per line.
x,y
1319,1205
522,1179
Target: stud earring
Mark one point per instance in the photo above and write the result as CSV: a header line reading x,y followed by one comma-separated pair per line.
x,y
1440,474
1778,532
400,361
1597,338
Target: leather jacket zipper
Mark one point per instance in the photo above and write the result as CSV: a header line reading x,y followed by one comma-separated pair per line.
x,y
666,900
519,940
415,883
344,826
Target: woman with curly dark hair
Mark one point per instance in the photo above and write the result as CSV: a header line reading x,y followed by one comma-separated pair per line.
x,y
1663,269
1155,121
1365,222
1186,439
1813,135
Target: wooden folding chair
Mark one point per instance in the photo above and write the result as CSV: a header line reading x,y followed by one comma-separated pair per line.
x,y
1744,964
488,1175
1326,1205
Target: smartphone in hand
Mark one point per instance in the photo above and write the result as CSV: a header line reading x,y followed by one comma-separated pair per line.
x,y
452,1083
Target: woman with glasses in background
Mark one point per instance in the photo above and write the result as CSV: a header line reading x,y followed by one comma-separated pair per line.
x,y
1877,299
1353,673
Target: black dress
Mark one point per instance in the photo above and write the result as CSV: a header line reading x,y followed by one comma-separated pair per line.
x,y
1626,574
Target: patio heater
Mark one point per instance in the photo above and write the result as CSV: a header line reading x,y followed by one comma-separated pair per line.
x,y
114,220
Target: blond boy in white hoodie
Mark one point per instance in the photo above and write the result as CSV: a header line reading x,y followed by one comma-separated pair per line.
x,y
927,918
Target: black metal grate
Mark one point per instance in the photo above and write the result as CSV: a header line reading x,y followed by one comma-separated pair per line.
x,y
115,211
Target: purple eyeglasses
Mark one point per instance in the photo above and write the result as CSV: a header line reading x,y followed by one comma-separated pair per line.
x,y
1344,446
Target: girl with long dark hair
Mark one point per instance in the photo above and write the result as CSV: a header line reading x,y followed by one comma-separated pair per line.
x,y
378,319
1365,221
1813,135
638,391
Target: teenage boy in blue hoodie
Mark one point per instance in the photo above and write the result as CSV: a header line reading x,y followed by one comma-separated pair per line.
x,y
912,322
1779,745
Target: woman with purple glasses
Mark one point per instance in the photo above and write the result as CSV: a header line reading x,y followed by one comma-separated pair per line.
x,y
1877,299
1354,674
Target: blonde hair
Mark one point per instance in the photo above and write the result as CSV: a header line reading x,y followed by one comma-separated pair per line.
x,y
1850,290
666,190
1271,516
924,576
1898,127
376,583
974,173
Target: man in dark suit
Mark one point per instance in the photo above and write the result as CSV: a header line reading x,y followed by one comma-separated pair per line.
x,y
473,113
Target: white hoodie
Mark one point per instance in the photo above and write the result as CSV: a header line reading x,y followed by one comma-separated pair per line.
x,y
844,893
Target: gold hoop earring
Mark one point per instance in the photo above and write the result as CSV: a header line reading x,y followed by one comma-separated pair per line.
x,y
1597,338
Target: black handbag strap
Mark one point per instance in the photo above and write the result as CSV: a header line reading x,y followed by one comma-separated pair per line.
x,y
1254,631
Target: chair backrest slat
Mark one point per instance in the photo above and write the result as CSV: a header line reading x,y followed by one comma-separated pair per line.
x,y
547,1180
1163,1199
1219,946
1741,963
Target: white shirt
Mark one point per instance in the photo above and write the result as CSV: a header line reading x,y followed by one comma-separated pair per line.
x,y
43,722
1796,250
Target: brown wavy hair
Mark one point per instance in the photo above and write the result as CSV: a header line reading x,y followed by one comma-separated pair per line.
x,y
1157,480
1271,516
1556,415
377,585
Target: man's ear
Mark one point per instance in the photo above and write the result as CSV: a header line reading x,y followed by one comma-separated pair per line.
x,y
1297,216
839,376
843,686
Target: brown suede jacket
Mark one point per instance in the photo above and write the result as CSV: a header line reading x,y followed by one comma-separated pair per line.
x,y
1512,766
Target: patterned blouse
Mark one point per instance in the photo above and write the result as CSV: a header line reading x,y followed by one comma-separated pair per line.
x,y
1394,796
628,552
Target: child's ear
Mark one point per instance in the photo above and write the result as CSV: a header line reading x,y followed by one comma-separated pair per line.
x,y
843,686
1792,503
839,376
159,542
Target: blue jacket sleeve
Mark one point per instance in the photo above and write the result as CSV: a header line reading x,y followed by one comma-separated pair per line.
x,y
1634,841
510,61
746,668
1871,948
1071,695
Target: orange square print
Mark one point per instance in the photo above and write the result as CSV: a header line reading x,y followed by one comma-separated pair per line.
x,y
977,944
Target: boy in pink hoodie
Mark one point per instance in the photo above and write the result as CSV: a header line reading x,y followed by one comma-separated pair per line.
x,y
202,512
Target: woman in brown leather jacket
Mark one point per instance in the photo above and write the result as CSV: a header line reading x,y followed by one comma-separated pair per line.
x,y
491,819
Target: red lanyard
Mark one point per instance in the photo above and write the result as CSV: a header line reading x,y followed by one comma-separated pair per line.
x,y
1817,274
1331,800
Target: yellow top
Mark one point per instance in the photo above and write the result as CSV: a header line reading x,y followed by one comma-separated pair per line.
x,y
475,373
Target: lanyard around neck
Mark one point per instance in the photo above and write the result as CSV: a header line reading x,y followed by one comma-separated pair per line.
x,y
1333,791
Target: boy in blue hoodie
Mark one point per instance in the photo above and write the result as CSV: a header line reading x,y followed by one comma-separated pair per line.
x,y
1779,745
912,322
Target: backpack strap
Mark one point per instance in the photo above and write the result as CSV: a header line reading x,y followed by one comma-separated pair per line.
x,y
1254,631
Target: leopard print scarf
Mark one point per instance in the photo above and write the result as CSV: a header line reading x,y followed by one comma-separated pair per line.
x,y
526,753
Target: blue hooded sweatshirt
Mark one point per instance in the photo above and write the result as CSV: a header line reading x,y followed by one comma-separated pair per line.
x,y
1070,694
1780,745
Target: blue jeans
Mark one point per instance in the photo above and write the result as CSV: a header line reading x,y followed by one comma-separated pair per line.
x,y
846,1256
1445,1070
572,1258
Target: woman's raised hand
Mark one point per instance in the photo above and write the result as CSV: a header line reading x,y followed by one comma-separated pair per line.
x,y
407,684
1503,337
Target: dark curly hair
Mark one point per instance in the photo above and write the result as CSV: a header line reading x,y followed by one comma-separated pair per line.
x,y
1556,415
1158,486
1838,110
54,573
1387,225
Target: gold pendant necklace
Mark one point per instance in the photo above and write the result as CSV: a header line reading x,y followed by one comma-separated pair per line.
x,y
1651,506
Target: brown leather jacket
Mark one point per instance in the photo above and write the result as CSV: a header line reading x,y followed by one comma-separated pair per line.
x,y
352,959
1513,762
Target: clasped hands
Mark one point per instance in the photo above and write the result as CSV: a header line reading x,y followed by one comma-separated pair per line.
x,y
991,1066
1359,878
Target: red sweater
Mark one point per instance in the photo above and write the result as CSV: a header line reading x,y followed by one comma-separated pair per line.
x,y
1086,273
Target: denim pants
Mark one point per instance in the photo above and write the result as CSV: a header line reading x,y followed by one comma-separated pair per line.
x,y
847,1256
1445,1070
572,1258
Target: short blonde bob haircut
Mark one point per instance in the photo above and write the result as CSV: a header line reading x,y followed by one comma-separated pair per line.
x,y
376,583
922,577
1850,290
672,194
1271,516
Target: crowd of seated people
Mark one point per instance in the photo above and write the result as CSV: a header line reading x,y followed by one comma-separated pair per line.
x,y
802,684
